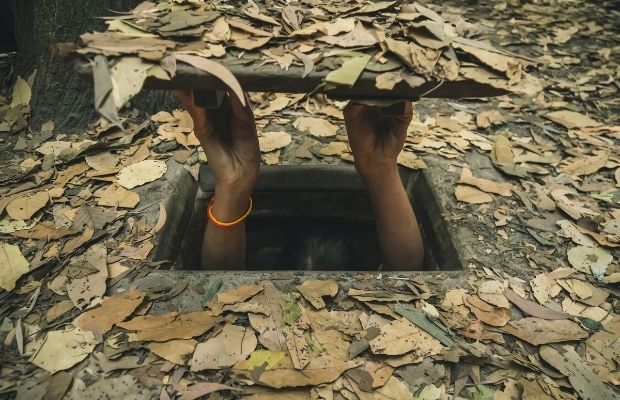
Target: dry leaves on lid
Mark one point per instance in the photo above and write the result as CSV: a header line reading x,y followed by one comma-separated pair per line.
x,y
297,347
387,80
232,344
471,195
12,265
539,331
317,127
177,351
116,196
24,207
140,173
314,290
164,327
63,349
114,309
350,70
270,141
82,291
501,188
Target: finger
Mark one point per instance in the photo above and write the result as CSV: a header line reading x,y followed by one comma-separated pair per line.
x,y
243,115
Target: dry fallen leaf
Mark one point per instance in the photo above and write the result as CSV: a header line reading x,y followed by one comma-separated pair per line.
x,y
177,351
142,172
539,331
270,141
496,316
501,188
471,195
493,292
114,309
63,349
82,291
591,260
231,345
487,118
168,326
12,265
317,127
283,374
401,336
314,290
102,161
571,119
585,382
533,309
116,196
24,207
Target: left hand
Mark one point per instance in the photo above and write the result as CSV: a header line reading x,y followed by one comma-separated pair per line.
x,y
377,134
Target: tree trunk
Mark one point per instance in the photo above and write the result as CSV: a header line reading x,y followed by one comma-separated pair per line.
x,y
59,94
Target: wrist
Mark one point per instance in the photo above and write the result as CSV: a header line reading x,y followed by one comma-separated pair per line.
x,y
377,170
230,202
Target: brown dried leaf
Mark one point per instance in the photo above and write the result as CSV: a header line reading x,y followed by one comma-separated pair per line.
x,y
471,195
501,188
176,351
113,310
12,265
533,309
496,316
231,345
116,196
24,207
164,327
317,127
401,336
283,374
314,290
571,119
63,349
539,331
270,141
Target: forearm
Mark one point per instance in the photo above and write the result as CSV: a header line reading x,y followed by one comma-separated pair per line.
x,y
397,228
224,248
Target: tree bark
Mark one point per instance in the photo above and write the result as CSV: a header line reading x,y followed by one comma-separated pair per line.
x,y
59,94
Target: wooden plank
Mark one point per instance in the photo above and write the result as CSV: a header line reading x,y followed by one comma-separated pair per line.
x,y
270,78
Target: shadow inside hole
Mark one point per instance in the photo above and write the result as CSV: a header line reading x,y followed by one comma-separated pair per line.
x,y
316,218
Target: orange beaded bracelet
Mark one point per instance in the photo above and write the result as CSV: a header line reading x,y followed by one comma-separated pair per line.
x,y
221,224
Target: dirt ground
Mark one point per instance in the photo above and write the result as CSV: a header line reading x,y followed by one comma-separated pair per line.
x,y
87,313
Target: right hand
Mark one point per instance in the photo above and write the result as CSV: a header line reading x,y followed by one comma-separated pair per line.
x,y
232,150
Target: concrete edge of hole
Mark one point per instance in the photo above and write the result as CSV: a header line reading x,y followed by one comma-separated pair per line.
x,y
191,299
177,190
181,195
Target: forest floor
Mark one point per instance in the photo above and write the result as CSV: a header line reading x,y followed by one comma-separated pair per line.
x,y
534,183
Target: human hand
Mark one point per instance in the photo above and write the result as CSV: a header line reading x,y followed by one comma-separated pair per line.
x,y
229,139
377,135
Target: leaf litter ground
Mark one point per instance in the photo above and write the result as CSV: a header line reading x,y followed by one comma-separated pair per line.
x,y
535,178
